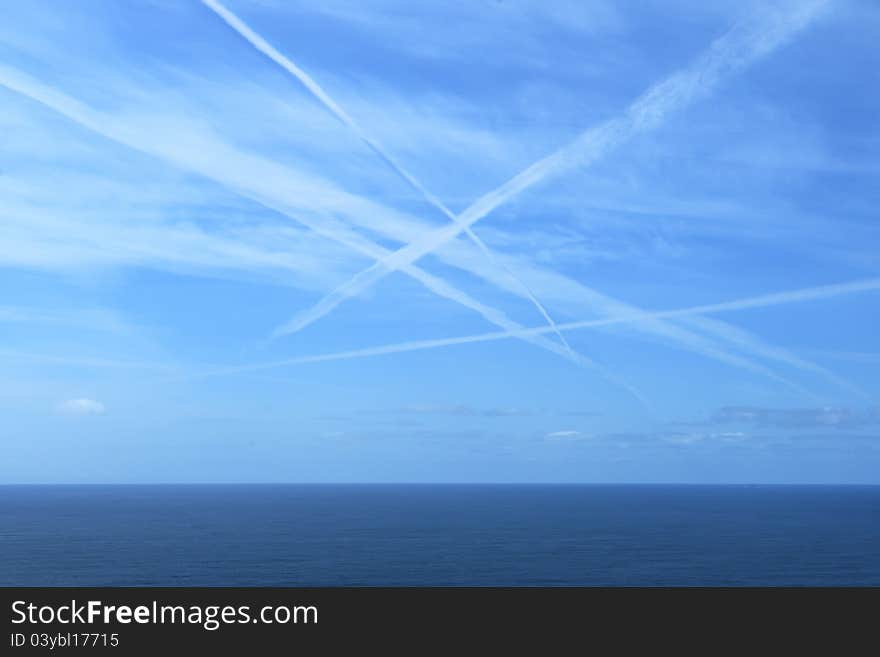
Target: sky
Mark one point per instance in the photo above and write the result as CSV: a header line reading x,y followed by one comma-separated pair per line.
x,y
482,241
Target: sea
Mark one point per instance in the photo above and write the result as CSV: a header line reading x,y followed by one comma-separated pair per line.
x,y
439,535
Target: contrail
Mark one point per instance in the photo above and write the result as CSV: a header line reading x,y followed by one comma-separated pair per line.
x,y
729,54
105,126
263,46
212,160
762,301
760,348
419,345
84,362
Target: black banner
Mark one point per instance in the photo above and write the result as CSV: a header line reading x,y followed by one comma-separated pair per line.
x,y
131,621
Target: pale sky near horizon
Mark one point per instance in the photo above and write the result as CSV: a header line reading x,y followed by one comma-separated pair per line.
x,y
189,237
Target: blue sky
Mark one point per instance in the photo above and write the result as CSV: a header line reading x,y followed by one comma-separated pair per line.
x,y
345,241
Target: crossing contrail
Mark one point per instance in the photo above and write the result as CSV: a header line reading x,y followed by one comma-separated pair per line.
x,y
259,191
729,54
258,179
762,301
263,46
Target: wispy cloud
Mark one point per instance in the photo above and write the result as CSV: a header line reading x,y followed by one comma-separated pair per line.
x,y
98,363
460,31
157,166
565,434
759,347
81,406
767,300
729,54
266,182
695,437
314,202
90,319
315,89
464,410
801,418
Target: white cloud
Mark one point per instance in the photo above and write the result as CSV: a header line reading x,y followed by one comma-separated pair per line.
x,y
557,435
40,237
81,406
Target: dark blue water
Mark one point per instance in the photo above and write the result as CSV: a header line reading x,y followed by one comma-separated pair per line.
x,y
440,535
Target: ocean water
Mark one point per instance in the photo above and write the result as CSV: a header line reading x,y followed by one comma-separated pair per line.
x,y
297,535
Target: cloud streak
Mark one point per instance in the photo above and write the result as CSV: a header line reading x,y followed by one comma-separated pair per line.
x,y
760,348
731,53
566,434
258,180
767,300
318,92
464,410
100,363
801,418
316,203
81,406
